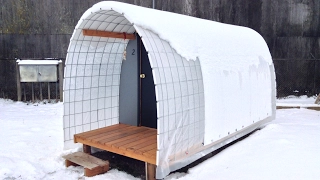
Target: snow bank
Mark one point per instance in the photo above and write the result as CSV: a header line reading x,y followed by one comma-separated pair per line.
x,y
288,148
301,101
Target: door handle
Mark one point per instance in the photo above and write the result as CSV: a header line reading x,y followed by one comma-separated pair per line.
x,y
142,76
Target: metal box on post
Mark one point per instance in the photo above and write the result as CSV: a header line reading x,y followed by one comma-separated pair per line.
x,y
38,71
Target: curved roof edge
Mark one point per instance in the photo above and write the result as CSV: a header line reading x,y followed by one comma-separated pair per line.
x,y
192,37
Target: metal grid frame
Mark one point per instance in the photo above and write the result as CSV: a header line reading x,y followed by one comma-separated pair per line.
x,y
92,78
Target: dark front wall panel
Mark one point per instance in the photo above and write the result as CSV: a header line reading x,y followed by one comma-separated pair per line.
x,y
8,85
34,45
291,28
297,77
287,26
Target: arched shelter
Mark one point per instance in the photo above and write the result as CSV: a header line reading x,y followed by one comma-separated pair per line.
x,y
200,84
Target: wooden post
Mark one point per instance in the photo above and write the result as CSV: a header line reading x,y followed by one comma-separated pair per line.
x,y
24,92
32,91
57,91
41,98
86,149
18,82
61,66
49,91
150,171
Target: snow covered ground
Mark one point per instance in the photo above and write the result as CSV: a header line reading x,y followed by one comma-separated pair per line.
x,y
302,101
31,146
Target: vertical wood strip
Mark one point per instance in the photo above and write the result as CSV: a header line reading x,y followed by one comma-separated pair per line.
x,y
49,91
150,171
32,91
61,65
41,97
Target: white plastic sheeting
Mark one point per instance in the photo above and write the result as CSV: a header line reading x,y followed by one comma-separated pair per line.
x,y
214,82
180,102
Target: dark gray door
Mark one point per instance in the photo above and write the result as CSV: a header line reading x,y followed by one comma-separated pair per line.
x,y
147,91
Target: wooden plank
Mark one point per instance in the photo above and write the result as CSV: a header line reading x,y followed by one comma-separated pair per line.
x,y
97,131
119,136
100,130
85,160
90,32
145,149
107,134
130,138
133,139
152,152
140,143
139,148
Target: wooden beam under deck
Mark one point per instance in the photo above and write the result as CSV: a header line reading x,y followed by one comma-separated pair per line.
x,y
89,32
135,142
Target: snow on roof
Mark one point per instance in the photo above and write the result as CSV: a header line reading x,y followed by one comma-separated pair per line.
x,y
38,62
194,38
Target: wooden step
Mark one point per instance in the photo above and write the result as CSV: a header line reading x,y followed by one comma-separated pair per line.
x,y
92,165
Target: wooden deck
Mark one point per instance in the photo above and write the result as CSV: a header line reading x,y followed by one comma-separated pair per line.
x,y
135,142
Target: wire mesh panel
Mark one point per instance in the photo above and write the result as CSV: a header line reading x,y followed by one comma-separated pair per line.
x,y
92,75
180,100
